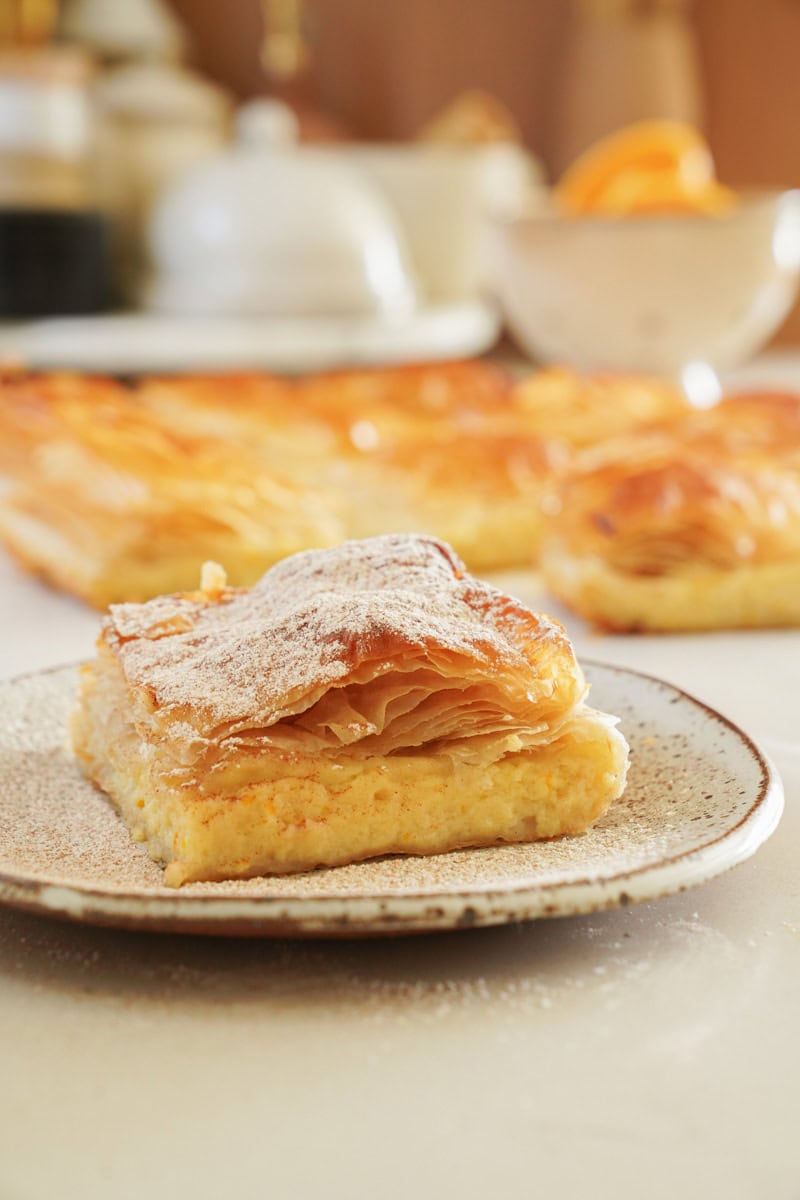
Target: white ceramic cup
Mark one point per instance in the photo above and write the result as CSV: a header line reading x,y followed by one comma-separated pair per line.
x,y
441,196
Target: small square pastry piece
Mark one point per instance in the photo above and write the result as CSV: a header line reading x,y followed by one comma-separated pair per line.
x,y
364,700
692,526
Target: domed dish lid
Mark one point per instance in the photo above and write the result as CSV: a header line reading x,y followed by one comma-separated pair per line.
x,y
270,229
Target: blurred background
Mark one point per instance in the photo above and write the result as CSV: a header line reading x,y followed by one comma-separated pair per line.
x,y
568,70
548,76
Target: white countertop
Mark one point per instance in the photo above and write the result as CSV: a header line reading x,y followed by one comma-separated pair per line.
x,y
650,1051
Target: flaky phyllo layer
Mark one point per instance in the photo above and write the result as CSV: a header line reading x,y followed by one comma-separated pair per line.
x,y
382,647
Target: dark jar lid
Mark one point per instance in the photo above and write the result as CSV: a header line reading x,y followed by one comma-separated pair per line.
x,y
54,262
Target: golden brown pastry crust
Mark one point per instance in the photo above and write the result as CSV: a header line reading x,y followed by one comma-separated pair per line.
x,y
585,409
694,525
112,503
121,491
241,660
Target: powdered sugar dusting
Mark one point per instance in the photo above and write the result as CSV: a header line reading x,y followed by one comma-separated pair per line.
x,y
247,657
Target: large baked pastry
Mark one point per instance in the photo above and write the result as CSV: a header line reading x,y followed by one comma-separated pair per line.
x,y
121,491
695,525
366,700
587,409
111,503
440,448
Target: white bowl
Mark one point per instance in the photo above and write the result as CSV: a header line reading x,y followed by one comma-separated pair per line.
x,y
654,293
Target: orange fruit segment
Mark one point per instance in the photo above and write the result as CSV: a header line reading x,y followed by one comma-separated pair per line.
x,y
660,192
651,166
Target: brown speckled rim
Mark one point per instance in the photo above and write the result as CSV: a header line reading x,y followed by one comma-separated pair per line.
x,y
420,911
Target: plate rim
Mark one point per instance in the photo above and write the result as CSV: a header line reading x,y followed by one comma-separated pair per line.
x,y
448,328
384,913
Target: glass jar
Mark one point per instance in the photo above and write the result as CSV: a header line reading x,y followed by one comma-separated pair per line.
x,y
54,236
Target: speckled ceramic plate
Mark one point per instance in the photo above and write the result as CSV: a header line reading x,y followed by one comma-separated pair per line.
x,y
700,798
